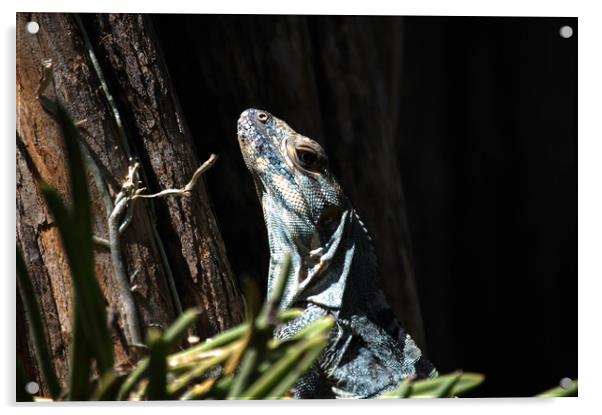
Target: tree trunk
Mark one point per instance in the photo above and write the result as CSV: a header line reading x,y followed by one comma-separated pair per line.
x,y
135,66
40,155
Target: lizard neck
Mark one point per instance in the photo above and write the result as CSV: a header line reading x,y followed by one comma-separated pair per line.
x,y
333,274
346,273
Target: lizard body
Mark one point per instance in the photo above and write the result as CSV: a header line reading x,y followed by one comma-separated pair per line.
x,y
333,268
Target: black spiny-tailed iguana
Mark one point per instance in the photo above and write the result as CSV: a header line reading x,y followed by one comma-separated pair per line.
x,y
333,268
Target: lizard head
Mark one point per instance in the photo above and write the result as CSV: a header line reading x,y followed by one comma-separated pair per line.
x,y
289,168
302,201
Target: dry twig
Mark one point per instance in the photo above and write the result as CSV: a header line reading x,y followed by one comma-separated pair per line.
x,y
184,191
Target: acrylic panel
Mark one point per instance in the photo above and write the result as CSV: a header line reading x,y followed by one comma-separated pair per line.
x,y
291,206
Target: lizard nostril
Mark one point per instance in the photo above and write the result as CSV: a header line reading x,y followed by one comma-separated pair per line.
x,y
262,116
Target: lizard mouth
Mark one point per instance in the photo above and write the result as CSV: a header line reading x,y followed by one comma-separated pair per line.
x,y
252,139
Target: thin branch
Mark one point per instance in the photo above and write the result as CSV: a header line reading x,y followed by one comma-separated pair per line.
x,y
126,145
184,191
130,314
105,88
129,215
124,204
101,241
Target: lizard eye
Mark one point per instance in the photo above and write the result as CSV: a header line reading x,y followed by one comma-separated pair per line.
x,y
307,157
263,117
306,154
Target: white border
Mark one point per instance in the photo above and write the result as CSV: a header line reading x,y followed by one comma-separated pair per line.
x,y
590,196
432,7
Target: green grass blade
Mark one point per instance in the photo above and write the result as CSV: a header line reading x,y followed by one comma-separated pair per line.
x,y
277,372
77,172
157,366
427,387
402,391
106,387
245,373
178,385
133,378
177,330
445,389
86,289
171,336
466,383
260,333
36,327
273,302
223,339
300,352
289,314
452,384
559,392
79,359
75,226
316,346
220,340
219,390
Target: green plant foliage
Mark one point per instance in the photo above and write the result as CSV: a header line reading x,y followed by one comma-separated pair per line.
x,y
36,328
91,335
445,386
244,362
157,366
560,392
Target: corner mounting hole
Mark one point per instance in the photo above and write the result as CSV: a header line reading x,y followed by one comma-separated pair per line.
x,y
566,31
33,27
32,388
566,383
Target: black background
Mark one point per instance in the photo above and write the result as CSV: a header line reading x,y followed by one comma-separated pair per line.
x,y
485,141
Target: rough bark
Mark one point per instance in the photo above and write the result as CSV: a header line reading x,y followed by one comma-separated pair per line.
x,y
130,54
40,155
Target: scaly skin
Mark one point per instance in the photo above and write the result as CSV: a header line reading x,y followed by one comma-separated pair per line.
x,y
334,269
